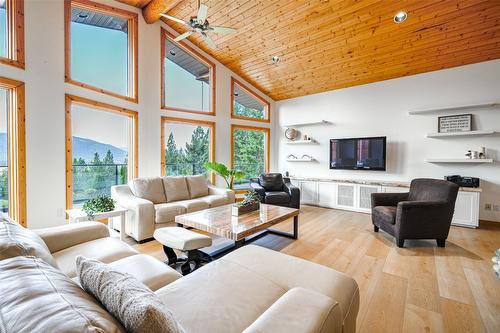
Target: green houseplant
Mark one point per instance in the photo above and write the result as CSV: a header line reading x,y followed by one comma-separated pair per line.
x,y
101,203
250,203
229,175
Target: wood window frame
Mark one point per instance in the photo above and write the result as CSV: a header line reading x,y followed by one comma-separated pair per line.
x,y
133,157
15,34
246,89
267,146
182,44
195,122
132,18
16,149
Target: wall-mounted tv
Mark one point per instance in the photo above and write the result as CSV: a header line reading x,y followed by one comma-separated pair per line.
x,y
358,153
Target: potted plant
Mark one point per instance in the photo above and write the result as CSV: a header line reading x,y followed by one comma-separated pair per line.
x,y
99,204
250,203
227,174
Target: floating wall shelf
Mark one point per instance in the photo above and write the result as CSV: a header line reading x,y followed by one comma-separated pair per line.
x,y
298,142
488,106
321,122
460,160
300,160
455,134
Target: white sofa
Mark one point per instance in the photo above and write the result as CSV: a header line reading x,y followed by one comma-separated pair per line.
x,y
155,202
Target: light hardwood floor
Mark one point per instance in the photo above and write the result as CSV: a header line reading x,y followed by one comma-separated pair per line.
x,y
420,288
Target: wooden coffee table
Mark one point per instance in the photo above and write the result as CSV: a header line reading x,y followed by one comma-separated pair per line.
x,y
219,221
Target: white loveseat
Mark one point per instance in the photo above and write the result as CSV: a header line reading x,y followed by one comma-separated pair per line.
x,y
155,202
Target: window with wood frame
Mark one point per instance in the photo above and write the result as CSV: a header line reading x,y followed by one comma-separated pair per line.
x,y
101,48
186,145
12,32
12,150
245,104
101,148
250,147
188,78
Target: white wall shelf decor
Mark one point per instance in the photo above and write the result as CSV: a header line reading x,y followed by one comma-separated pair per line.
x,y
487,106
455,134
300,160
321,122
459,160
298,142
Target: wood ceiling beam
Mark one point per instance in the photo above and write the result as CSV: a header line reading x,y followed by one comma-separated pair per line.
x,y
151,12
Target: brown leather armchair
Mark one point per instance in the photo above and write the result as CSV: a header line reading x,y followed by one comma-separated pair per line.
x,y
423,213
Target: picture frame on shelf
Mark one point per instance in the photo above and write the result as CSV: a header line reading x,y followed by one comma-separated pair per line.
x,y
455,123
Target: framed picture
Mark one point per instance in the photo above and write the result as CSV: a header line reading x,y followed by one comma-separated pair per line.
x,y
455,123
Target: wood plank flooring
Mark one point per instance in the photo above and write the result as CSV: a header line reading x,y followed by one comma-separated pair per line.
x,y
420,288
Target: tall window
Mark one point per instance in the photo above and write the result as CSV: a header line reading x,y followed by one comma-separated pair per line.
x,y
249,151
12,32
101,48
186,145
12,150
101,146
245,104
188,78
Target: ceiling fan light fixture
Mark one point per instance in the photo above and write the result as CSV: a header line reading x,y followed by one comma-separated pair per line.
x,y
400,17
275,59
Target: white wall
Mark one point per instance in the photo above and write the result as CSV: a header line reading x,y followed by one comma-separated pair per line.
x,y
45,89
381,109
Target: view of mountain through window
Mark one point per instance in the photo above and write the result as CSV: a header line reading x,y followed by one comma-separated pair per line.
x,y
4,179
249,154
187,148
99,50
100,151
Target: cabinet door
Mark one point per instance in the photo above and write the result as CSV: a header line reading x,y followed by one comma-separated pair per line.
x,y
327,194
308,193
346,197
466,209
364,195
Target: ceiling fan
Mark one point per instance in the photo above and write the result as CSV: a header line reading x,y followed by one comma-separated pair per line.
x,y
199,24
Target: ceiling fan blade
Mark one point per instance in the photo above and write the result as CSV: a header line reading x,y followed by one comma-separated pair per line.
x,y
223,30
184,35
174,19
209,41
202,13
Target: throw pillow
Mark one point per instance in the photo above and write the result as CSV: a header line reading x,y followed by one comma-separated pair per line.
x,y
197,186
15,240
176,188
131,302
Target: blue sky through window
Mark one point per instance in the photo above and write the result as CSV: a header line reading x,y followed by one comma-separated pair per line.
x,y
3,32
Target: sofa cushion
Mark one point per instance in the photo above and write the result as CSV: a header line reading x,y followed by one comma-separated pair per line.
x,y
107,250
271,181
194,205
167,212
149,188
224,297
386,214
36,297
137,307
148,270
215,200
279,197
175,188
197,186
16,240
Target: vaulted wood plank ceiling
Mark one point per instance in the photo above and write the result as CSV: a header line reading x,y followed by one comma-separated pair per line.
x,y
331,44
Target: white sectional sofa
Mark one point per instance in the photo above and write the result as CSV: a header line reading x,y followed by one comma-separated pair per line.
x,y
155,202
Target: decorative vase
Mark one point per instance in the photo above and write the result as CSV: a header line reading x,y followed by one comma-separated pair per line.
x,y
240,210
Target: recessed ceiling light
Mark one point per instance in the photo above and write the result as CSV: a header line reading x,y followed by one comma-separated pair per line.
x,y
400,17
172,52
275,59
83,16
236,94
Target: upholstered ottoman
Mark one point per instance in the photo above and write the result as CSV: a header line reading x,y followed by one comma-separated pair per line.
x,y
177,238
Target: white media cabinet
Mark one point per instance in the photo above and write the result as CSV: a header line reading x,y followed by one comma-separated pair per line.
x,y
355,195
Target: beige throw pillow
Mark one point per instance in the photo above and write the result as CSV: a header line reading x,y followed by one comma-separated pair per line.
x,y
126,298
15,240
149,188
197,186
176,188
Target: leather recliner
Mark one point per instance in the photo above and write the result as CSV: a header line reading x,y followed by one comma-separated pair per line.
x,y
274,189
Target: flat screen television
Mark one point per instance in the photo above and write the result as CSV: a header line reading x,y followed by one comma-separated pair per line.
x,y
358,153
